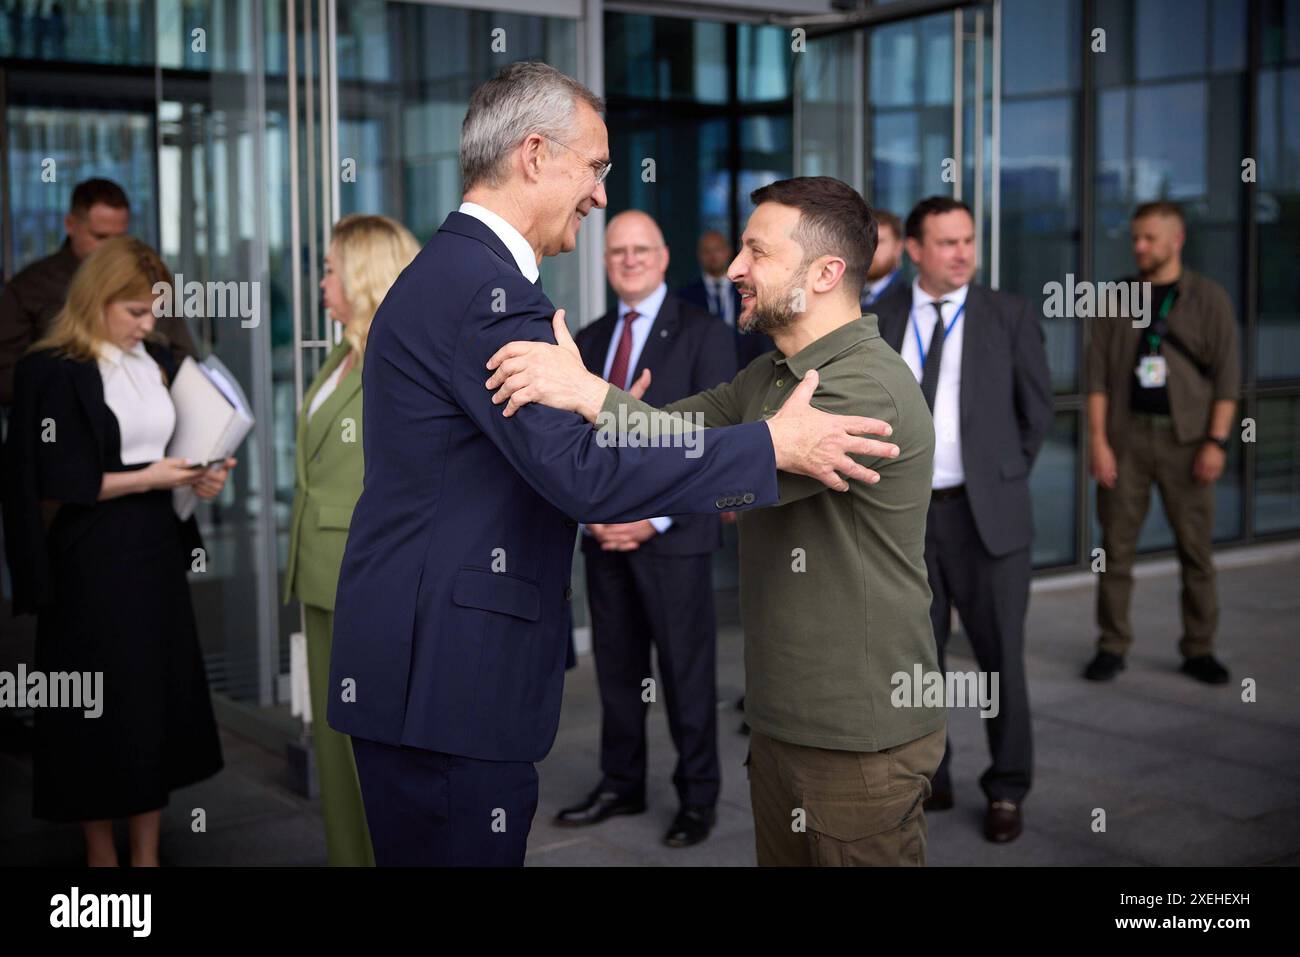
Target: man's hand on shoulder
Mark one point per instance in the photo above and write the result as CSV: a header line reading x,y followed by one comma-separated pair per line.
x,y
810,442
524,372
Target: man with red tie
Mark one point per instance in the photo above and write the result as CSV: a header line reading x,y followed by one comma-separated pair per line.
x,y
649,582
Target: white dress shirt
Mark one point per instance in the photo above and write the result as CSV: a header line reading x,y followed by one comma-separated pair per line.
x,y
718,290
134,390
514,240
647,311
948,470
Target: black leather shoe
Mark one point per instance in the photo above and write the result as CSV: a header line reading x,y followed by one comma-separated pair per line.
x,y
938,801
1104,666
691,826
1002,822
599,806
1205,668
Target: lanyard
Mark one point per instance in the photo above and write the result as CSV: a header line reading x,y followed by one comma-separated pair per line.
x,y
946,329
1153,338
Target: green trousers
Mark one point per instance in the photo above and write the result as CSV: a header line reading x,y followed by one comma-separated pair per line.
x,y
1152,456
347,838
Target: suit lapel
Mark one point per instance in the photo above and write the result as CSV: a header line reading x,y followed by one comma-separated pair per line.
x,y
598,343
660,340
319,426
893,321
973,317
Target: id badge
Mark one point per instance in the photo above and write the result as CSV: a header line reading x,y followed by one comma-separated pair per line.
x,y
1152,372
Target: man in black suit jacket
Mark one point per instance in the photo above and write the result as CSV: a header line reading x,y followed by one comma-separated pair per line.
x,y
978,354
714,292
650,582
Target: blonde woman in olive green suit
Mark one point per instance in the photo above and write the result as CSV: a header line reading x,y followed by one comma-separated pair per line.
x,y
365,256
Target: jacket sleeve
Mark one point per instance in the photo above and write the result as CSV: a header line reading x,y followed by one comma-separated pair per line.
x,y
51,458
576,467
1033,382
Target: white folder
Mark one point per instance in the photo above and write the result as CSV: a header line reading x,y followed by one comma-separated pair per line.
x,y
212,419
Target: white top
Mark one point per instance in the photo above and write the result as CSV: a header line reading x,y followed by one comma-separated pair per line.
x,y
718,290
134,390
327,388
948,469
513,239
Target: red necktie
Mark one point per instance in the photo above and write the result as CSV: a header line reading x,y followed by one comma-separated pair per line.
x,y
623,354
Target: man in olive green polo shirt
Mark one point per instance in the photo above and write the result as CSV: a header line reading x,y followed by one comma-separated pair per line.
x,y
834,596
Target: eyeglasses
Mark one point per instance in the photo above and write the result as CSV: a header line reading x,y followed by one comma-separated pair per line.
x,y
600,169
631,252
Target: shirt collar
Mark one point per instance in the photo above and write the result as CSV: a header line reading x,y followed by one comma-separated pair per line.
x,y
835,343
112,355
919,298
525,258
649,306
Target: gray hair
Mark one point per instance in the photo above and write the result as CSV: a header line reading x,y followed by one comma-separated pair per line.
x,y
524,98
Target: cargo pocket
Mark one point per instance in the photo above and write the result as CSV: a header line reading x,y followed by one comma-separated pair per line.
x,y
853,830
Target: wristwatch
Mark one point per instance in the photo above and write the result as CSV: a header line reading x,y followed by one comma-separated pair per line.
x,y
1221,443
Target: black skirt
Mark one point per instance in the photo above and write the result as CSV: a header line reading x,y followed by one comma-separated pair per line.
x,y
122,607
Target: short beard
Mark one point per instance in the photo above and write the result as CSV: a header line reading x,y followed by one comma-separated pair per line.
x,y
771,315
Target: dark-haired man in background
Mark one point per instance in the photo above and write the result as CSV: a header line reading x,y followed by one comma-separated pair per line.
x,y
99,210
834,599
978,354
887,262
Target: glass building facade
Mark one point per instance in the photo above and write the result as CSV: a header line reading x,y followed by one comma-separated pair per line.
x,y
242,128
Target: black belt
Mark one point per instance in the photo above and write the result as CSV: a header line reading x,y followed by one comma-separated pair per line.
x,y
943,494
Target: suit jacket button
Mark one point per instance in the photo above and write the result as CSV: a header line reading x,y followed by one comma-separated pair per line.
x,y
720,503
748,499
568,592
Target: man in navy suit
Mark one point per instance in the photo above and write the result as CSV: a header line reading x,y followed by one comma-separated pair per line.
x,y
716,293
450,624
650,582
978,354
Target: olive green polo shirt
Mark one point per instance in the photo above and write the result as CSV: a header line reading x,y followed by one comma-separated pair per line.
x,y
833,587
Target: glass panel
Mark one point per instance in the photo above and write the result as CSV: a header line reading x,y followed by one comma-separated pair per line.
x,y
1054,485
218,157
664,58
1039,216
1278,211
765,155
827,112
75,144
1277,465
100,31
763,63
1040,47
1171,38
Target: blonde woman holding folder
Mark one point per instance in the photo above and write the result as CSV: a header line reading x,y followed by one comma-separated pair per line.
x,y
98,554
365,256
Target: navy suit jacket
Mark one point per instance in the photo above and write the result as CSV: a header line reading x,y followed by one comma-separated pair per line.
x,y
1005,405
686,351
451,618
748,345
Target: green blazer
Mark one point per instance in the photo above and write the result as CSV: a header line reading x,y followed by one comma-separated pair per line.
x,y
327,483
